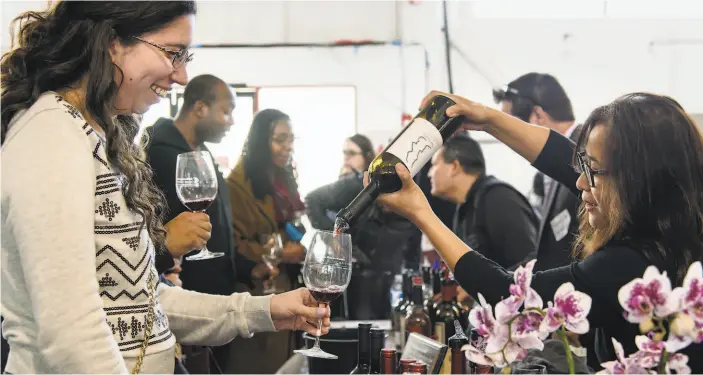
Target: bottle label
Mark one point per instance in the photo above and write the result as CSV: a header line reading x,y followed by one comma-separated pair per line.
x,y
416,145
439,332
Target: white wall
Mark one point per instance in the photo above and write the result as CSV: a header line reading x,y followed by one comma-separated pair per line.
x,y
595,58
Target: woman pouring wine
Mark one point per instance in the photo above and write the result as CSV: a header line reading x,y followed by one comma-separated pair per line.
x,y
637,171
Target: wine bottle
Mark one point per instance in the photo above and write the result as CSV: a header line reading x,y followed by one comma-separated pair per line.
x,y
417,320
427,295
413,146
363,365
389,361
378,337
418,367
447,312
402,309
405,364
456,342
478,342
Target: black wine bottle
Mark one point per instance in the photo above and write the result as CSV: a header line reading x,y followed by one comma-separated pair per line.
x,y
413,146
363,364
378,338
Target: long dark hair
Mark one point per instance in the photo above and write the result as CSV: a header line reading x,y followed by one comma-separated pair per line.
x,y
258,162
59,47
653,193
366,147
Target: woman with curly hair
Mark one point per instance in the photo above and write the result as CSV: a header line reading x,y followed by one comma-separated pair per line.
x,y
79,209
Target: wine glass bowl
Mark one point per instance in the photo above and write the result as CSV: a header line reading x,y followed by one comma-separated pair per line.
x,y
196,187
326,273
272,244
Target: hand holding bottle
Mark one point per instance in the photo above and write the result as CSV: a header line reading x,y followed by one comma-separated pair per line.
x,y
476,115
409,201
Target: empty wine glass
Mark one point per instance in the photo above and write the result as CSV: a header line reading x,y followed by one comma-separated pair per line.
x,y
528,368
196,187
326,272
273,251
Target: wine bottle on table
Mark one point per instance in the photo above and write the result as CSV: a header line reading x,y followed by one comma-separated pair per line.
x,y
448,310
456,342
418,367
417,320
389,361
378,337
363,364
413,146
404,364
427,295
402,309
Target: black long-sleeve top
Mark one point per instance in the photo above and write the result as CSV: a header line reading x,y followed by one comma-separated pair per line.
x,y
600,275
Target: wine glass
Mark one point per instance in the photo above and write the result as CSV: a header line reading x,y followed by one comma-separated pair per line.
x,y
528,368
196,187
273,251
326,272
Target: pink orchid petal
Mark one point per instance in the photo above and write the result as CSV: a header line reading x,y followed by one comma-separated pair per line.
x,y
679,363
531,342
533,300
513,352
579,327
619,351
507,309
476,356
676,343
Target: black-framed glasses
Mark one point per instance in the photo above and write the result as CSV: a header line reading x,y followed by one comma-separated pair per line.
x,y
585,167
180,57
350,153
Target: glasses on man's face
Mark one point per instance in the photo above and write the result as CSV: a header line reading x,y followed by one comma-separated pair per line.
x,y
351,153
584,167
179,57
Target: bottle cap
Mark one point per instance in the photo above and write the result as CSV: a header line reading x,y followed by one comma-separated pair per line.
x,y
418,366
388,352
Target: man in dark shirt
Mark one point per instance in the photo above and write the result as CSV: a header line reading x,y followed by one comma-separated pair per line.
x,y
206,116
539,99
491,216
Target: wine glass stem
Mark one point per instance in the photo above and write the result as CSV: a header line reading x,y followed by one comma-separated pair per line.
x,y
319,331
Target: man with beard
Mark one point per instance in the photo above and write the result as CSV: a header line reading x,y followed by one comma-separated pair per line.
x,y
206,116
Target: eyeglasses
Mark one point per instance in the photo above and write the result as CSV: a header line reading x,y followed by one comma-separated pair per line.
x,y
180,57
585,168
289,140
350,153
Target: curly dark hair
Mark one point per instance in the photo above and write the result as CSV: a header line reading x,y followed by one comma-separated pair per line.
x,y
69,42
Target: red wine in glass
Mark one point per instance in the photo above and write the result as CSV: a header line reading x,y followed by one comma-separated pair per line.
x,y
326,272
326,295
196,187
199,205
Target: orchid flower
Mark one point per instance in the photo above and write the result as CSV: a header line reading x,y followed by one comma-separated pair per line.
x,y
570,308
623,365
643,298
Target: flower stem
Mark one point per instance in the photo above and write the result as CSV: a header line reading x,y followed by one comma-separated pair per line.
x,y
567,349
661,368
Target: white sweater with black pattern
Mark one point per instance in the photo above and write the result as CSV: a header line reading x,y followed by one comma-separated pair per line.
x,y
75,263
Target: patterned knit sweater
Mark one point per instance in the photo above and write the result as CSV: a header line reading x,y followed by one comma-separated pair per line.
x,y
75,260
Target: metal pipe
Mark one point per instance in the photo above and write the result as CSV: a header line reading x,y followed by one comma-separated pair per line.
x,y
447,47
